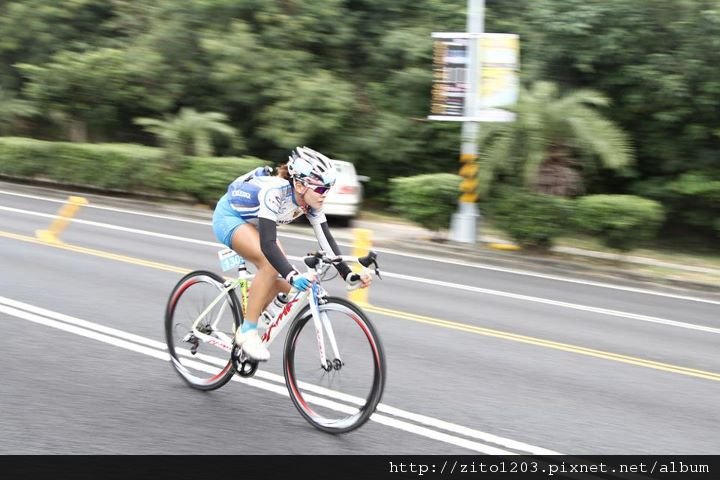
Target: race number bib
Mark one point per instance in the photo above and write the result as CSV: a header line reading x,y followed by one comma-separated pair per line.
x,y
229,259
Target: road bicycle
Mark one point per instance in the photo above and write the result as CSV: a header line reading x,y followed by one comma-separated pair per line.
x,y
335,389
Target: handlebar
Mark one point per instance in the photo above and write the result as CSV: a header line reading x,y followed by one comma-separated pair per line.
x,y
312,260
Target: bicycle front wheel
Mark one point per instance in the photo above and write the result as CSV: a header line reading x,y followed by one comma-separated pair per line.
x,y
202,355
338,393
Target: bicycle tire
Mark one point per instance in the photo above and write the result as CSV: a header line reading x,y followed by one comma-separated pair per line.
x,y
356,330
178,327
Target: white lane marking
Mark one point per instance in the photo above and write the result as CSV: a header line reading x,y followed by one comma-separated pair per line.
x,y
312,239
126,340
545,276
109,209
437,283
117,227
81,323
555,303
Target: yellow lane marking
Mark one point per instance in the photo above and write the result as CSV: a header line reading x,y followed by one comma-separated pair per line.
x,y
96,253
545,343
412,317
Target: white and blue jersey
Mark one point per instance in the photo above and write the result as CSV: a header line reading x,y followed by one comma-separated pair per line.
x,y
256,195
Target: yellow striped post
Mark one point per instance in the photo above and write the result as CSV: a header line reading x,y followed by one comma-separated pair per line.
x,y
66,212
361,246
468,172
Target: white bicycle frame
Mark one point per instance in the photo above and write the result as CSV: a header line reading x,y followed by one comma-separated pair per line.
x,y
296,303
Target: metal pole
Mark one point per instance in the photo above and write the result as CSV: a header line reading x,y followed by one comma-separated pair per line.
x,y
463,227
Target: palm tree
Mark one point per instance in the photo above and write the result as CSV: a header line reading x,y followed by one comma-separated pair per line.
x,y
552,135
189,132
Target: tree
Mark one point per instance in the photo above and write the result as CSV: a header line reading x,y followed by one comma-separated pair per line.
x,y
11,110
32,31
89,90
551,136
190,132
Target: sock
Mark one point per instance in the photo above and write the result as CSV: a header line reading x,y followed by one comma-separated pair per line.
x,y
247,326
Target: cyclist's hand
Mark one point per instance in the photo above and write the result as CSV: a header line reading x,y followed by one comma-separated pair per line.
x,y
300,282
358,280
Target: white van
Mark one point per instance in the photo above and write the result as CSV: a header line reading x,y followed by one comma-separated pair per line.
x,y
343,202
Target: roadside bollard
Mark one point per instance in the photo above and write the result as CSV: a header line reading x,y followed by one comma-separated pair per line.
x,y
66,212
361,246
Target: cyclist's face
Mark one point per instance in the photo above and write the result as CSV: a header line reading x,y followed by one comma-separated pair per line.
x,y
314,195
315,199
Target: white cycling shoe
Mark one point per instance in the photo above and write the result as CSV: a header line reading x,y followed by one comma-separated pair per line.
x,y
252,345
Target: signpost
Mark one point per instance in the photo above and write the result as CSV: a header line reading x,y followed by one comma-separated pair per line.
x,y
474,77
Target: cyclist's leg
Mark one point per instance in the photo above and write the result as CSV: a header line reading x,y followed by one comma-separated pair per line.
x,y
265,284
235,233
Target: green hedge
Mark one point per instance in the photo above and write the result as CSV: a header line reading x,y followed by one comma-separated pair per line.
x,y
429,200
532,220
619,221
127,168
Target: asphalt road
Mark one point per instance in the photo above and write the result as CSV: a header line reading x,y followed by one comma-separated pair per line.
x,y
480,360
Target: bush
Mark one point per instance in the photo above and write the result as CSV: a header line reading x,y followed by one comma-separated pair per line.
x,y
429,200
619,221
125,168
109,166
207,178
532,220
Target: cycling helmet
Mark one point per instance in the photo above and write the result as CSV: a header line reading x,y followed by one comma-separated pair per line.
x,y
309,166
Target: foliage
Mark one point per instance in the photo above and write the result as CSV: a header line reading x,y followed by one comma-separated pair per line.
x,y
692,199
353,79
12,110
124,168
428,200
619,221
207,179
533,220
189,132
552,128
90,88
658,62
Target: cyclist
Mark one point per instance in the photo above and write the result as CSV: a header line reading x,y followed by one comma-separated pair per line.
x,y
246,218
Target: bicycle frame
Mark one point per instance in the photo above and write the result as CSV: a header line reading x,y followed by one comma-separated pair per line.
x,y
296,303
241,283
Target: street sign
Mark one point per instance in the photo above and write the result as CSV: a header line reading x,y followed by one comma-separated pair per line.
x,y
495,76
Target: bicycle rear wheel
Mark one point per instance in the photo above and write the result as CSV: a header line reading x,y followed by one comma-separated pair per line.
x,y
342,395
198,355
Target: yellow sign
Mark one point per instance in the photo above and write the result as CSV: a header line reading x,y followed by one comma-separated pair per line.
x,y
495,76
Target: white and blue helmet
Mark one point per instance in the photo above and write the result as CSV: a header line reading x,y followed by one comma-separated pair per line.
x,y
307,165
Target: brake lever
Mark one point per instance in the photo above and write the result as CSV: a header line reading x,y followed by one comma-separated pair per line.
x,y
377,269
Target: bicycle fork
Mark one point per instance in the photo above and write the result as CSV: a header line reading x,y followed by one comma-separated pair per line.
x,y
321,321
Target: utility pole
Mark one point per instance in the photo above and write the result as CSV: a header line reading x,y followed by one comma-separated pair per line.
x,y
463,226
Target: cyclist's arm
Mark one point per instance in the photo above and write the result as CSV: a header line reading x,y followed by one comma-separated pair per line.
x,y
271,250
269,200
328,243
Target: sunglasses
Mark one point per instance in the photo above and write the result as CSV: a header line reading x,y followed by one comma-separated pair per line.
x,y
319,189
